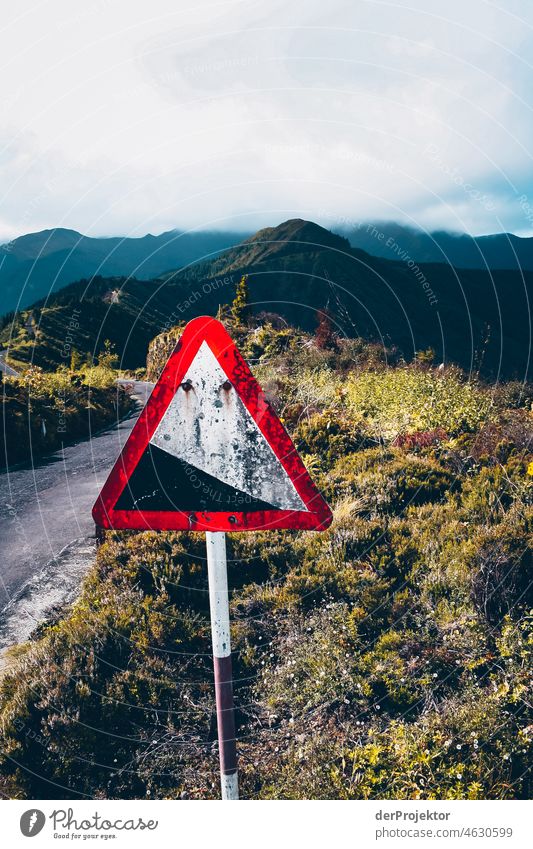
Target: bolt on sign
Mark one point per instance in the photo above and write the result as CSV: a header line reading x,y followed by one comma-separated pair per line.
x,y
208,453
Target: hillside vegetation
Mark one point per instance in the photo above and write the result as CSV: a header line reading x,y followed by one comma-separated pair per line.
x,y
388,657
80,317
41,411
479,319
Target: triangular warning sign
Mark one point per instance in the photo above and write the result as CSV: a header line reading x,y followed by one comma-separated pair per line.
x,y
208,453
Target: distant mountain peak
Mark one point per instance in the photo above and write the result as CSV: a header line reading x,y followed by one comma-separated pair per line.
x,y
42,243
301,231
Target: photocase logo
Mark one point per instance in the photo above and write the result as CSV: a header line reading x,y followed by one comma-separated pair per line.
x,y
32,822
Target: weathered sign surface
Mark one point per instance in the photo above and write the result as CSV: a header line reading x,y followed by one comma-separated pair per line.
x,y
208,453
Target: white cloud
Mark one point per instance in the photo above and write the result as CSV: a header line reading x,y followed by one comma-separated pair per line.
x,y
134,117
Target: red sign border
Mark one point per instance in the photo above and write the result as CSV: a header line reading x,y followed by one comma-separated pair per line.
x,y
214,333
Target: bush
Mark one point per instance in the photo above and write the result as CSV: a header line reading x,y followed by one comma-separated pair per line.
x,y
408,399
42,411
330,436
386,480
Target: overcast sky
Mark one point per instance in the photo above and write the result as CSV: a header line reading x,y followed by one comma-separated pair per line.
x,y
127,117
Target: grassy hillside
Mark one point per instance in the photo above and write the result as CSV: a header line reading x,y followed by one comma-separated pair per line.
x,y
478,319
388,657
82,316
42,411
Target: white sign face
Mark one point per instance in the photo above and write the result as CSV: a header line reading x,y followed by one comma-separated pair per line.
x,y
207,426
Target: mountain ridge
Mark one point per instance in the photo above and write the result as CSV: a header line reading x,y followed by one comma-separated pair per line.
x,y
497,251
474,318
37,264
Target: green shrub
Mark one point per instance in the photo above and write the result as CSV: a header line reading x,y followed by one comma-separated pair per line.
x,y
329,436
43,410
388,481
408,399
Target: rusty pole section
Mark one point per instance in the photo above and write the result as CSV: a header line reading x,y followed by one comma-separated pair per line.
x,y
219,606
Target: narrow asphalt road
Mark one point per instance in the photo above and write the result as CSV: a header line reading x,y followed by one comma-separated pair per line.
x,y
46,522
4,366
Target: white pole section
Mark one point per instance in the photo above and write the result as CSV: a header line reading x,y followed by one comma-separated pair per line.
x,y
219,605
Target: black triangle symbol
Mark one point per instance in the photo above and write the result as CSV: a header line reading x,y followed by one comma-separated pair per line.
x,y
163,482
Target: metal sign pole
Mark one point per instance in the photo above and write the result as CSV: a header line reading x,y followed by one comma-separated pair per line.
x,y
219,606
